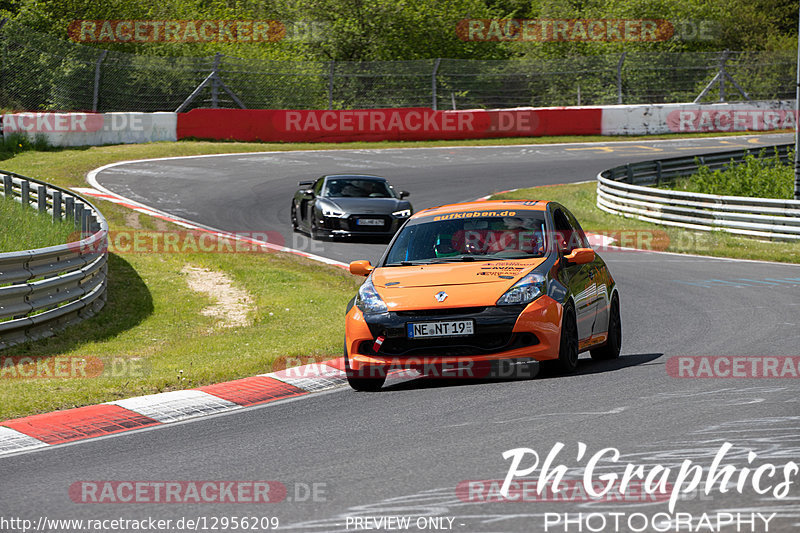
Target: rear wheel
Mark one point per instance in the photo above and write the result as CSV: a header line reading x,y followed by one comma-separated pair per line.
x,y
568,347
612,347
358,381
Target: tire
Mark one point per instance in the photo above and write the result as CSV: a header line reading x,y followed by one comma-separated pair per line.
x,y
295,227
612,347
358,382
568,347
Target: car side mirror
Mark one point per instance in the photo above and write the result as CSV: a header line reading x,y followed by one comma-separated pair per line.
x,y
404,194
580,256
361,267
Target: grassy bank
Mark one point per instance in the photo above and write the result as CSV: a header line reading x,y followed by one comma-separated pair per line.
x,y
25,228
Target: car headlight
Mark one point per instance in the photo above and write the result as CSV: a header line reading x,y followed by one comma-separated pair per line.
x,y
331,212
403,213
524,291
368,299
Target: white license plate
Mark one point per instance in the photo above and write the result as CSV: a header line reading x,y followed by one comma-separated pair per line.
x,y
452,328
369,222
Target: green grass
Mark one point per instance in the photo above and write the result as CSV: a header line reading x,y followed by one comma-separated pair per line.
x,y
25,228
755,177
581,200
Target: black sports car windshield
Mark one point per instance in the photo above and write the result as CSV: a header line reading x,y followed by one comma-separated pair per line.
x,y
357,188
473,236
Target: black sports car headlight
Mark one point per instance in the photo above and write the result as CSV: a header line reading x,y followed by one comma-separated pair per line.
x,y
329,211
525,290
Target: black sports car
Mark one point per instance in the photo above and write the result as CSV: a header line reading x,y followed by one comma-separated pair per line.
x,y
345,205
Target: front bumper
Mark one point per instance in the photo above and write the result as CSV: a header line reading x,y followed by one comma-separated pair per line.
x,y
347,226
529,332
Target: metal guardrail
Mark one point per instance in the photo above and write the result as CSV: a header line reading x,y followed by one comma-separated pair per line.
x,y
631,190
47,289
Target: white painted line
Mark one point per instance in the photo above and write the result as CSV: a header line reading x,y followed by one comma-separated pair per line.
x,y
172,406
12,440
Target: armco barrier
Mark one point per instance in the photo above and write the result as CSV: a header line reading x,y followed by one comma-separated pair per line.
x,y
404,124
93,129
47,289
629,190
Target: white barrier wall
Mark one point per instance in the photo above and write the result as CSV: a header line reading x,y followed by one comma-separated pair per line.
x,y
692,118
93,129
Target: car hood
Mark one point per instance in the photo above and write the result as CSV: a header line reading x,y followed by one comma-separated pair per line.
x,y
368,205
478,283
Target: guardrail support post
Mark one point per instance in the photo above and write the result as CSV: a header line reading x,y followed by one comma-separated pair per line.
x,y
69,208
56,206
25,193
7,184
78,213
658,173
41,197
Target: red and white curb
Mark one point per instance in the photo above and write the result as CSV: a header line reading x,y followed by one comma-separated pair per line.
x,y
81,423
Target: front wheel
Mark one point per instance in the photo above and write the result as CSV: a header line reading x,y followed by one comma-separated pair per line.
x,y
612,347
568,347
359,382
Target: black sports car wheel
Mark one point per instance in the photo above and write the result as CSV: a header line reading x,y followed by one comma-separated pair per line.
x,y
568,348
612,347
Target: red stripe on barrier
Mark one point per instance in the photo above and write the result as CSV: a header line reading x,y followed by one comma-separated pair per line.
x,y
250,391
80,423
401,124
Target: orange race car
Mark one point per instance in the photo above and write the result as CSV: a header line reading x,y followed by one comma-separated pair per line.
x,y
467,289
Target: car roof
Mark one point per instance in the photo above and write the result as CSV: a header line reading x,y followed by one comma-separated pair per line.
x,y
359,176
484,205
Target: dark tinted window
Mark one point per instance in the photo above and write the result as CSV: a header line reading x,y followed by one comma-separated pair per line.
x,y
357,188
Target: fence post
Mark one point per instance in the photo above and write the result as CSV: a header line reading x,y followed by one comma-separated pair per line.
x,y
69,208
722,76
330,83
433,81
7,190
25,193
214,85
96,94
619,77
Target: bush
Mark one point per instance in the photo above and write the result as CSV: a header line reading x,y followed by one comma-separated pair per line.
x,y
756,176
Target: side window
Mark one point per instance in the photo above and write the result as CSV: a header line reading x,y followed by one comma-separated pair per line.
x,y
318,186
567,237
580,236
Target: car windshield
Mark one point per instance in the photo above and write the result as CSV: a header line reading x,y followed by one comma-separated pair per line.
x,y
357,188
472,236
